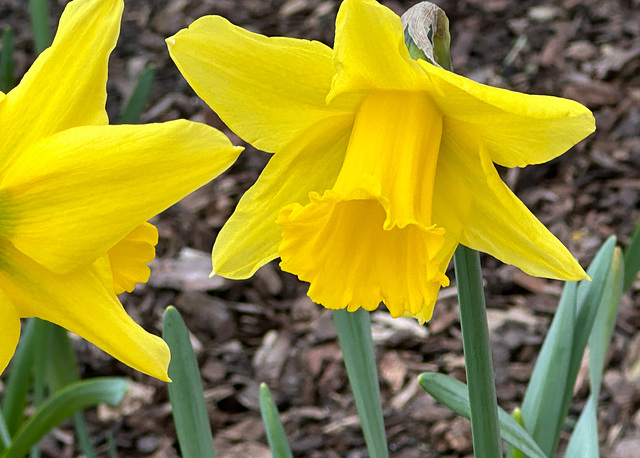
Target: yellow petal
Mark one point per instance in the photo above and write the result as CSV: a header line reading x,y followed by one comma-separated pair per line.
x,y
9,330
129,257
518,129
66,85
370,52
474,204
250,238
73,196
267,90
338,245
84,303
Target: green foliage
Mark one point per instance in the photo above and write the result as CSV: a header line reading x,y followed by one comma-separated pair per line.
x,y
273,427
584,440
135,105
185,391
514,452
455,395
5,438
46,358
62,370
632,258
550,389
586,313
7,63
354,334
39,12
18,382
111,446
60,406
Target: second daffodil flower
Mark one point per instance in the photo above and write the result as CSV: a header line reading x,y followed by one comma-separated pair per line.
x,y
382,164
75,192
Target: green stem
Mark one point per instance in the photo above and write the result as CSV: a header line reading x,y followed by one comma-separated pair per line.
x,y
477,354
39,375
354,334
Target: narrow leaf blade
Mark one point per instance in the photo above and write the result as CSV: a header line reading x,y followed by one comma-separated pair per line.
x,y
7,63
632,258
454,394
271,418
39,12
185,391
584,440
63,404
546,404
135,105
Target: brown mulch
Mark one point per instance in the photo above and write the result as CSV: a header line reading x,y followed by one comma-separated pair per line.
x,y
266,329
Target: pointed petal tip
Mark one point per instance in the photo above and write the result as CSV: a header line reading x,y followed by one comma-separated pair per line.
x,y
152,358
572,271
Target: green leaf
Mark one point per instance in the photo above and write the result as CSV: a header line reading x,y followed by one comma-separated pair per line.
x,y
485,427
62,370
550,389
84,438
455,395
354,335
111,445
14,399
39,12
7,63
185,391
605,321
513,452
584,440
39,348
5,439
135,105
271,418
542,405
63,404
61,364
632,258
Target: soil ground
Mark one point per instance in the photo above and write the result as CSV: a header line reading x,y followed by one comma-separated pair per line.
x,y
266,329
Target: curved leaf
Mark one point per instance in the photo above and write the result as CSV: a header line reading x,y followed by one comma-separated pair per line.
x,y
454,394
62,405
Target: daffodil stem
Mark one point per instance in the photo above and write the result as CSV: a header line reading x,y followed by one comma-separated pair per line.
x,y
354,334
477,354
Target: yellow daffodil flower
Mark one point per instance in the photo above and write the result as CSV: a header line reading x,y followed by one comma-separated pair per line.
x,y
382,164
75,193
